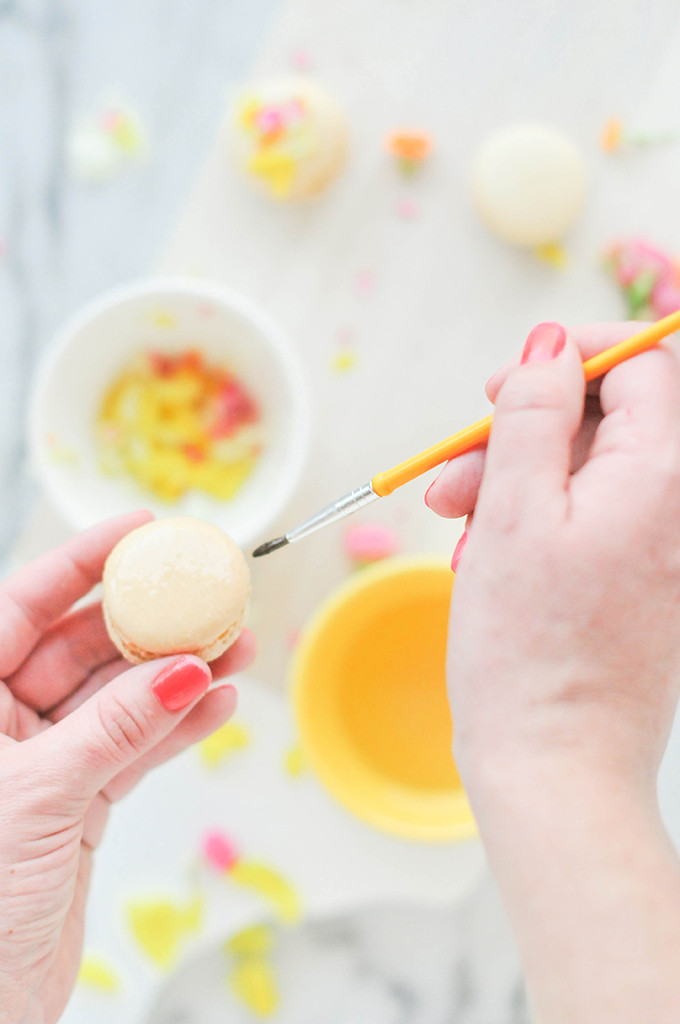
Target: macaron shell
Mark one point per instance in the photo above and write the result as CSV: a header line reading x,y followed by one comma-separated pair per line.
x,y
177,585
528,184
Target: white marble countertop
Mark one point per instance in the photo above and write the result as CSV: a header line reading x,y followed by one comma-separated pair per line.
x,y
445,294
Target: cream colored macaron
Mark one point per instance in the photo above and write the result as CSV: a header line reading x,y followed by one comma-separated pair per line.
x,y
289,137
528,184
175,586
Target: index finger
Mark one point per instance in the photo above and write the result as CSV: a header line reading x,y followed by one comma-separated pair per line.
x,y
591,339
32,598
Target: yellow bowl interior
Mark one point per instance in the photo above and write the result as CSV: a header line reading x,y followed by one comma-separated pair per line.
x,y
369,690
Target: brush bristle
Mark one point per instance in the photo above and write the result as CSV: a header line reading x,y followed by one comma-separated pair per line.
x,y
270,545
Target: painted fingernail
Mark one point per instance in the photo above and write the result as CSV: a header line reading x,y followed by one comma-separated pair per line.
x,y
181,683
458,550
544,343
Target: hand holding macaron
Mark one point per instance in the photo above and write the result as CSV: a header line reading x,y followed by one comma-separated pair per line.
x,y
78,729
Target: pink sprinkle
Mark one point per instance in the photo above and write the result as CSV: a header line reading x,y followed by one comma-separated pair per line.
x,y
345,337
269,119
301,60
219,851
369,542
406,209
205,310
365,281
293,638
111,120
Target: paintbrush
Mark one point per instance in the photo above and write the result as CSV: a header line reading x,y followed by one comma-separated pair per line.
x,y
477,433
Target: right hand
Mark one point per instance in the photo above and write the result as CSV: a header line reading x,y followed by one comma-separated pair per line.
x,y
565,620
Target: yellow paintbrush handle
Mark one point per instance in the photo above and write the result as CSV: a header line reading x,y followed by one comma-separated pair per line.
x,y
478,433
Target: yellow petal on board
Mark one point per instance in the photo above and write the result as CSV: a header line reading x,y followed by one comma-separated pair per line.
x,y
160,927
257,939
268,883
252,980
552,253
225,741
294,762
96,974
343,361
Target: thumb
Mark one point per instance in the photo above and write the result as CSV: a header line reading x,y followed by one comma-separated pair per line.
x,y
120,723
539,409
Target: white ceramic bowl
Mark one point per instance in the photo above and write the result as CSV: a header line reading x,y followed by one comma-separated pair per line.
x,y
169,314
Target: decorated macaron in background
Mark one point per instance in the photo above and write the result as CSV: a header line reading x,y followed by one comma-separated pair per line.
x,y
289,137
175,586
528,184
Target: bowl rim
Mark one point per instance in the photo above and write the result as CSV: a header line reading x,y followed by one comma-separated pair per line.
x,y
265,325
434,832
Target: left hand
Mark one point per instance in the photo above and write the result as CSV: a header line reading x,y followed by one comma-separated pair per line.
x,y
78,729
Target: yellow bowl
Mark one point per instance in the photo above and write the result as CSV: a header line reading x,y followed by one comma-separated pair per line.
x,y
369,692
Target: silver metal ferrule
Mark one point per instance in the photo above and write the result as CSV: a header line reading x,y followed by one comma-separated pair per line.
x,y
344,506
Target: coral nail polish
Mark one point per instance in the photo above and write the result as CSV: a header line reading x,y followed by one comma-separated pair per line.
x,y
181,683
544,343
458,550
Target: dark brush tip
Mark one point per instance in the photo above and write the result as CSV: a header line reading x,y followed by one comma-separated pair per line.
x,y
270,545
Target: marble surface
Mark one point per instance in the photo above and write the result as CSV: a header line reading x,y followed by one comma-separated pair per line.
x,y
381,965
446,295
62,240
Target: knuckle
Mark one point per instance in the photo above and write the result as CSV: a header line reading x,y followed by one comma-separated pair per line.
x,y
125,729
530,393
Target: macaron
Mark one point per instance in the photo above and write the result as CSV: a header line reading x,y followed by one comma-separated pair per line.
x,y
289,137
528,183
178,585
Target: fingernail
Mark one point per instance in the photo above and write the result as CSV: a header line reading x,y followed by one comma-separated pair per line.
x,y
544,343
458,550
428,491
181,683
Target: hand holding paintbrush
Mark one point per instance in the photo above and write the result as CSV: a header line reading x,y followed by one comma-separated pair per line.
x,y
383,484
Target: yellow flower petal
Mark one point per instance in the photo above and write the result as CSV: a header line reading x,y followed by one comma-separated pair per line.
x,y
225,741
95,973
253,982
270,884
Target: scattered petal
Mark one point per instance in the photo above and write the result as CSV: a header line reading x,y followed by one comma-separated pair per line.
x,y
253,981
364,282
301,60
256,940
406,209
615,138
225,741
552,253
410,148
160,927
294,762
107,143
162,318
343,361
370,542
97,974
268,883
649,278
610,139
220,851
62,454
293,638
346,336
